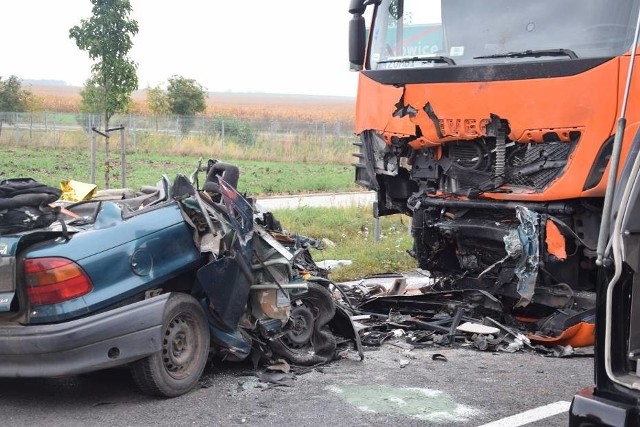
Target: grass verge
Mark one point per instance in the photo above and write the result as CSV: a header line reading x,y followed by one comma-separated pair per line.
x,y
258,178
352,231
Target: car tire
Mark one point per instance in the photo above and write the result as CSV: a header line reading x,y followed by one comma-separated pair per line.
x,y
177,367
307,340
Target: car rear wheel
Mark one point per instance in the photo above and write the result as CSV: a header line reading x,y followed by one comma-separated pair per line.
x,y
177,367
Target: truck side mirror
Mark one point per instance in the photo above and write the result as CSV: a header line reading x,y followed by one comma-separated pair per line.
x,y
357,7
357,42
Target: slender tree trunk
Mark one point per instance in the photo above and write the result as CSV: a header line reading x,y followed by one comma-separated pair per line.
x,y
107,162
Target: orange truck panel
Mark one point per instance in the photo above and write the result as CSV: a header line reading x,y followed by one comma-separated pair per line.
x,y
527,106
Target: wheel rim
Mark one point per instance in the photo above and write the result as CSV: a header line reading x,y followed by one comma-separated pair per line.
x,y
179,346
302,321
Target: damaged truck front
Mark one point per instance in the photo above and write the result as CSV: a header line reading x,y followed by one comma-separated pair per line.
x,y
491,124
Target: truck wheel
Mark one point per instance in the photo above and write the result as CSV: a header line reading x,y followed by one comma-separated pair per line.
x,y
307,340
177,367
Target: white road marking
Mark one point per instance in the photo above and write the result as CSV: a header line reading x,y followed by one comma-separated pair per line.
x,y
531,415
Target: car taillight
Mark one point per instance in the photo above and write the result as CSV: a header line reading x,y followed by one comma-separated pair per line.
x,y
54,280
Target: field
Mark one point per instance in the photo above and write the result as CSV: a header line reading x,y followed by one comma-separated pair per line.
x,y
281,128
243,105
143,168
305,140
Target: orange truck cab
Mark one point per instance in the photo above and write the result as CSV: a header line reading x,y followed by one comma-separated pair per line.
x,y
487,119
491,123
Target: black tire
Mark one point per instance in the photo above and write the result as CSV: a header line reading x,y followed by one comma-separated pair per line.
x,y
307,339
176,368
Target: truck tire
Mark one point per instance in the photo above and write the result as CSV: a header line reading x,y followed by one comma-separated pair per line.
x,y
177,367
307,340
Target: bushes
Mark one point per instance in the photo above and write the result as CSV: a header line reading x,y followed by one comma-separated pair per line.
x,y
239,131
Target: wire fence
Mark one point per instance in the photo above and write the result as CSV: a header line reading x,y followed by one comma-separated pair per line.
x,y
235,137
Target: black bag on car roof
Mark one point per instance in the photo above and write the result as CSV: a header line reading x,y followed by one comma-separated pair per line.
x,y
24,205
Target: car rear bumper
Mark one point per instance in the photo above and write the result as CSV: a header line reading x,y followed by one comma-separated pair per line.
x,y
590,410
104,340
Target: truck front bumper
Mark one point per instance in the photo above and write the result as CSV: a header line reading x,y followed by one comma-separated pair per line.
x,y
104,340
588,409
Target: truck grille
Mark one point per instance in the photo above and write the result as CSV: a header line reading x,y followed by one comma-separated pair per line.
x,y
549,159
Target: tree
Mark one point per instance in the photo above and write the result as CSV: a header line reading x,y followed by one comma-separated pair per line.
x,y
13,97
157,102
92,97
186,98
106,36
33,102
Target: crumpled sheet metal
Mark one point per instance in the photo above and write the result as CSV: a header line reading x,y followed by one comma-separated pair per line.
x,y
556,244
431,318
567,328
527,266
582,334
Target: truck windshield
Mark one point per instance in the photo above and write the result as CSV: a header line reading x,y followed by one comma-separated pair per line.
x,y
405,33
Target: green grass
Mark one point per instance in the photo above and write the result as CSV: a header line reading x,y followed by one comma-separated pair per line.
x,y
295,178
352,231
51,165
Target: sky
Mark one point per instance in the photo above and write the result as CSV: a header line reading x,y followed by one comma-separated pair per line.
x,y
279,46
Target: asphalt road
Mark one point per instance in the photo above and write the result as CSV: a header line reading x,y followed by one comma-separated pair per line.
x,y
470,388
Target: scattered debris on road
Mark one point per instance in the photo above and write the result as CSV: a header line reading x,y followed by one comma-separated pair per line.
x,y
413,310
